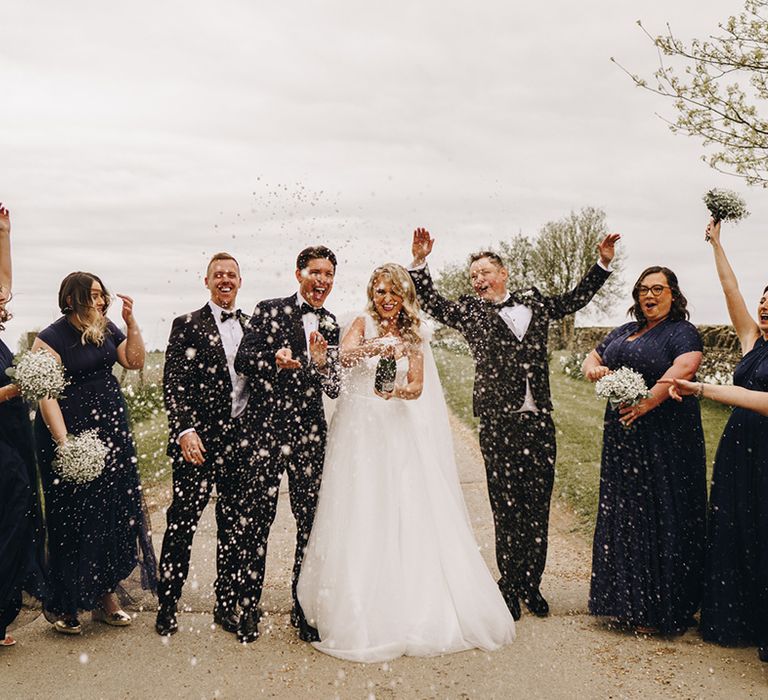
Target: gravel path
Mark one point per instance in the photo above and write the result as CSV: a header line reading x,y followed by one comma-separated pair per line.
x,y
568,655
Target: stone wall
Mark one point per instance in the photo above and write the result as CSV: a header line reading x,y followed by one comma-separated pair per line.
x,y
721,338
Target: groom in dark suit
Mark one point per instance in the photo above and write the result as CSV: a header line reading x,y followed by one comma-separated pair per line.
x,y
507,334
207,406
290,356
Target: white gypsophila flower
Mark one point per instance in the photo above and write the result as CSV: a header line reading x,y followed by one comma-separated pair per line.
x,y
81,458
39,375
327,324
725,205
623,387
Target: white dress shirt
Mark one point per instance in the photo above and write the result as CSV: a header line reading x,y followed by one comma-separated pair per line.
x,y
310,320
231,333
518,318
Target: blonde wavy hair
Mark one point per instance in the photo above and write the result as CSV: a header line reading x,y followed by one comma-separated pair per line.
x,y
409,319
75,303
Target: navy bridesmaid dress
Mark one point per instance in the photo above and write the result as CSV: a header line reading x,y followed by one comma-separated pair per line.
x,y
97,532
648,553
21,530
735,605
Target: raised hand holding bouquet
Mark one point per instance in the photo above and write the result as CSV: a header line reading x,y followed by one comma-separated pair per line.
x,y
624,387
39,375
81,458
725,205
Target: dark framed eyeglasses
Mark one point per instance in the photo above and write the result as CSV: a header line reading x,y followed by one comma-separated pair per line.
x,y
656,290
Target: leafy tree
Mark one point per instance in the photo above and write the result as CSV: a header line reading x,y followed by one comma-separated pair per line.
x,y
563,252
453,281
717,85
518,255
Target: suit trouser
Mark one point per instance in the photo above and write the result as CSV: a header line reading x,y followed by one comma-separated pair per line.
x,y
519,451
257,506
192,485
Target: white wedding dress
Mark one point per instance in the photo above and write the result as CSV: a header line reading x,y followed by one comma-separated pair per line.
x,y
392,566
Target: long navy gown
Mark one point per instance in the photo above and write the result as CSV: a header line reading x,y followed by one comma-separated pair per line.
x,y
98,531
734,609
648,553
21,531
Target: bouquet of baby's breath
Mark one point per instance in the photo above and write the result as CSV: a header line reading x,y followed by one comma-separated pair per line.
x,y
725,205
39,375
624,387
81,458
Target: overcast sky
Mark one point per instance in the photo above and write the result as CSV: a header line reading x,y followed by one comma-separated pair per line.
x,y
138,138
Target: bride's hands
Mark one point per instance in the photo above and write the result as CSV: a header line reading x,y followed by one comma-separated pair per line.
x,y
385,346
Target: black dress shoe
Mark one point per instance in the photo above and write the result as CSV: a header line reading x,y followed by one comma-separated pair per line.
x,y
248,626
166,623
307,633
762,654
513,603
225,618
536,603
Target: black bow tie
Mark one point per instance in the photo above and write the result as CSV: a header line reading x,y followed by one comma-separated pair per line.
x,y
226,315
514,298
309,309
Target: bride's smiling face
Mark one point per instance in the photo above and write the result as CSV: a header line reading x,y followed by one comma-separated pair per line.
x,y
386,300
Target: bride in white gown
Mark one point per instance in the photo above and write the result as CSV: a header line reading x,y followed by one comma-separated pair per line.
x,y
392,566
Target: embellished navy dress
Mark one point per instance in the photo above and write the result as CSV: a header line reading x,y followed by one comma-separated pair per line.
x,y
735,605
648,554
98,531
21,530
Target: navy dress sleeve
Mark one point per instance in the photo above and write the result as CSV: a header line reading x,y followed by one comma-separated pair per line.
x,y
117,335
685,338
51,338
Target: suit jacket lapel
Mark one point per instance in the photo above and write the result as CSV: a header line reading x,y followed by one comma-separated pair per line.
x,y
500,323
296,336
212,336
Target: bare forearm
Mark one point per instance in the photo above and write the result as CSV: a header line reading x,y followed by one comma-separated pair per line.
x,y
8,392
684,367
350,356
737,396
53,419
743,323
6,269
134,347
411,390
725,272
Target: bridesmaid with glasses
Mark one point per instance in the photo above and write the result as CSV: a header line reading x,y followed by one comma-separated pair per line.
x,y
648,553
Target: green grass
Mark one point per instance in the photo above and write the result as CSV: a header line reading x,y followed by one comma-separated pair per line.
x,y
457,373
579,420
149,424
151,438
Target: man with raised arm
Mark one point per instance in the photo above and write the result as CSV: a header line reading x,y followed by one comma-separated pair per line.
x,y
507,333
